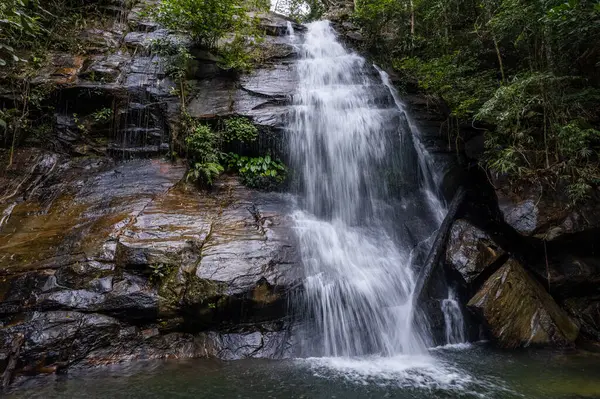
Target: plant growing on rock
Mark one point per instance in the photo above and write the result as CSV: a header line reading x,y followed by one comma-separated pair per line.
x,y
159,272
205,20
222,25
102,115
259,172
240,129
206,158
203,155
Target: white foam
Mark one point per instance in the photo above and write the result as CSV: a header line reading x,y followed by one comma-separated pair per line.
x,y
453,347
410,372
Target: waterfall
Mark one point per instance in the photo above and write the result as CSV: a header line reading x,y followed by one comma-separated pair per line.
x,y
430,177
358,220
453,319
290,31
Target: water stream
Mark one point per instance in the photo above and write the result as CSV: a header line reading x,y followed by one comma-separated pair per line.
x,y
359,272
453,319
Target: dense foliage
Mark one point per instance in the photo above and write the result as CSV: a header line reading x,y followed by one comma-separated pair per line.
x,y
207,160
227,26
528,71
302,10
18,19
258,172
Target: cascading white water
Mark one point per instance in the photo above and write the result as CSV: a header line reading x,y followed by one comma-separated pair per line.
x,y
345,143
430,178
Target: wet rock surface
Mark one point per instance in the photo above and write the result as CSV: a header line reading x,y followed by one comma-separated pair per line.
x,y
519,312
470,251
106,256
547,215
586,310
125,262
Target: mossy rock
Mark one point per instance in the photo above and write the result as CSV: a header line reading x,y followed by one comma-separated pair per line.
x,y
519,312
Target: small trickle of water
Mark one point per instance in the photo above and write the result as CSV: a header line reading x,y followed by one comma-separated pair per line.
x,y
7,213
453,319
290,30
431,178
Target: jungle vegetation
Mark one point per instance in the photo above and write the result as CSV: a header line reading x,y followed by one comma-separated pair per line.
x,y
526,71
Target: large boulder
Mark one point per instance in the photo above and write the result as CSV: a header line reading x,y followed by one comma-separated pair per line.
x,y
546,215
519,312
470,251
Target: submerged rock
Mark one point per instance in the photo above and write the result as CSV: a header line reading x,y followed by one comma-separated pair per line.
x,y
519,312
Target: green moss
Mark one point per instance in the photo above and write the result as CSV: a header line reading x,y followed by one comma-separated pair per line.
x,y
519,311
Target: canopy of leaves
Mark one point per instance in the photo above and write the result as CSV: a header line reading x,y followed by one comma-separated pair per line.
x,y
18,19
526,70
207,21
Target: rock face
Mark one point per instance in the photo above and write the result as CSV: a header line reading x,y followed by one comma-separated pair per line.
x,y
103,260
586,310
519,312
470,251
547,215
117,263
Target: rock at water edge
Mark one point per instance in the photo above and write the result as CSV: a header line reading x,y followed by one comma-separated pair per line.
x,y
519,312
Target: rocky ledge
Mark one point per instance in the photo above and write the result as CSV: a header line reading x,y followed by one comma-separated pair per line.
x,y
102,262
106,256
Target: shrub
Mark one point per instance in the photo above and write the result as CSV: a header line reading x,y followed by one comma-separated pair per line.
x,y
203,156
260,172
206,159
206,20
240,129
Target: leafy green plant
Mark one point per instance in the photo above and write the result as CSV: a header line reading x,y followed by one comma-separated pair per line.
x,y
453,77
222,25
18,19
260,172
203,155
205,172
102,115
240,129
206,20
79,123
579,191
159,271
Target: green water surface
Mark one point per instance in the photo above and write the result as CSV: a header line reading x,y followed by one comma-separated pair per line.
x,y
475,372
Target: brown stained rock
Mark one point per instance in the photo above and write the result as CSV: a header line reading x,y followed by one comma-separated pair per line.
x,y
62,69
215,248
470,251
71,221
519,312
